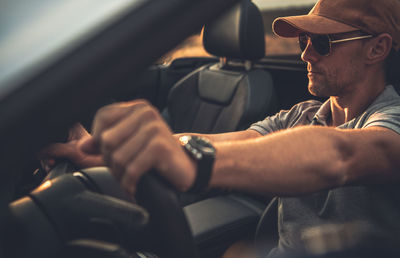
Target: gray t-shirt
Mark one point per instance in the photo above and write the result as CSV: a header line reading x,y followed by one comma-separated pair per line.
x,y
377,208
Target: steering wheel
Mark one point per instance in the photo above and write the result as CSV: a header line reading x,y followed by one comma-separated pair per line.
x,y
167,234
168,224
168,231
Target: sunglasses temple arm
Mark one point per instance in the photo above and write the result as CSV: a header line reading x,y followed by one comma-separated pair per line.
x,y
350,39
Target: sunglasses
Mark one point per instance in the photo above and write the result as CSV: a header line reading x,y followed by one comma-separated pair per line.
x,y
322,44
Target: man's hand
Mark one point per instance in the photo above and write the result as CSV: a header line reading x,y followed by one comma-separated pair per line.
x,y
132,139
70,151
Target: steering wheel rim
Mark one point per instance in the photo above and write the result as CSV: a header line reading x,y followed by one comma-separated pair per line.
x,y
168,226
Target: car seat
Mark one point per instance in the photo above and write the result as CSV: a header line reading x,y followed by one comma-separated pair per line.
x,y
231,94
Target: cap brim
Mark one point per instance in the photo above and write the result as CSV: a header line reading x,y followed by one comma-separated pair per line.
x,y
293,25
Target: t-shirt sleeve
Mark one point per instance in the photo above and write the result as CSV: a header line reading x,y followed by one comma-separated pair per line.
x,y
269,124
299,114
388,118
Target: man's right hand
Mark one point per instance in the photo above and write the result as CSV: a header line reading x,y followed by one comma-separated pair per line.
x,y
133,138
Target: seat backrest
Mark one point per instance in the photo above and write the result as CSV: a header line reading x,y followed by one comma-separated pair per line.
x,y
229,95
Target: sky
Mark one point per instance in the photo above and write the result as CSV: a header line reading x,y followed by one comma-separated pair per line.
x,y
276,4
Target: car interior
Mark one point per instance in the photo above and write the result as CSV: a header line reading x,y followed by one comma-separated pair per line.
x,y
73,212
230,94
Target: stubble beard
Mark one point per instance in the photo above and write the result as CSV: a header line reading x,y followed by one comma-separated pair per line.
x,y
318,89
318,83
322,87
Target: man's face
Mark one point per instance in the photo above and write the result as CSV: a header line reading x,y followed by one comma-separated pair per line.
x,y
334,74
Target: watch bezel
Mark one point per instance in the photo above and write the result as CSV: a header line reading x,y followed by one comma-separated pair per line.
x,y
198,147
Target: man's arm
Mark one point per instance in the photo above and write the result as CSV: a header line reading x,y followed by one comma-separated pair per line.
x,y
308,159
70,150
132,138
223,137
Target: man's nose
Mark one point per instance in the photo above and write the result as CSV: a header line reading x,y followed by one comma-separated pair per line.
x,y
309,54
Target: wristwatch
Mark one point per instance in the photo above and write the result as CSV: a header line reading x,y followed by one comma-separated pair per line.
x,y
203,152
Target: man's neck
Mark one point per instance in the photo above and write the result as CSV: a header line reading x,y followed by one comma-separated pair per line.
x,y
345,108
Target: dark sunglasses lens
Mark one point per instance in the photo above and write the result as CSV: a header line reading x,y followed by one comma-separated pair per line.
x,y
303,40
319,42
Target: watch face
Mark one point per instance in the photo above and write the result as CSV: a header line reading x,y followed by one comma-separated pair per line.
x,y
201,143
197,146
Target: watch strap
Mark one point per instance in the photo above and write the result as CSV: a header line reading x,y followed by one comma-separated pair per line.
x,y
203,175
203,153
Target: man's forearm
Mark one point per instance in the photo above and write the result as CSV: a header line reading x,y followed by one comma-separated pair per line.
x,y
306,160
224,137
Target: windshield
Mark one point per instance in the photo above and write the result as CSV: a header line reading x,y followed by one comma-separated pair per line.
x,y
34,33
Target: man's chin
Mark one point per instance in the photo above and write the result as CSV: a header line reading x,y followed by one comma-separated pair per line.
x,y
316,90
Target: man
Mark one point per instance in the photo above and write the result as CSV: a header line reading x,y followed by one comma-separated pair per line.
x,y
323,160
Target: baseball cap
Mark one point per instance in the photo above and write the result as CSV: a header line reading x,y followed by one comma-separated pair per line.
x,y
339,16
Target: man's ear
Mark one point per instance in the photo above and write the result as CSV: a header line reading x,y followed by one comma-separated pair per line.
x,y
378,48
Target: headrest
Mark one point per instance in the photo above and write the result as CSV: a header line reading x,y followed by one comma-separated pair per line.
x,y
238,34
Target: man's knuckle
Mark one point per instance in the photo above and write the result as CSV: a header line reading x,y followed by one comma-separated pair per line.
x,y
149,113
105,112
132,173
118,159
159,146
156,128
107,141
142,102
151,130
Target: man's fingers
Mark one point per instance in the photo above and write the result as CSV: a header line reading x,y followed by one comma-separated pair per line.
x,y
129,127
123,140
135,170
109,115
55,150
50,153
90,146
77,132
133,138
128,151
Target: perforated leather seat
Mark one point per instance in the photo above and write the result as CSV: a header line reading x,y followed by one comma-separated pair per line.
x,y
229,95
